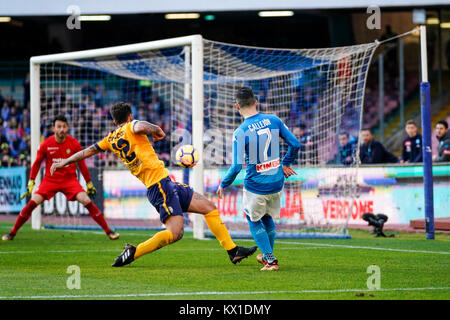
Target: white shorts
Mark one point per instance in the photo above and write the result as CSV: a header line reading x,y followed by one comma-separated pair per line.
x,y
257,206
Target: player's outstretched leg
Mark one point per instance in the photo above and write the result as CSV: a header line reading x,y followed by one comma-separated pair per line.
x,y
173,233
261,237
23,216
199,204
95,214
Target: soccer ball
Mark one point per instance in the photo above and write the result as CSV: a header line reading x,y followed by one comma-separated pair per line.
x,y
187,156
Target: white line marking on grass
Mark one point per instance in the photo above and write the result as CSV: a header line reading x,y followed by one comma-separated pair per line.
x,y
59,251
312,246
117,250
102,250
75,231
126,232
218,293
360,247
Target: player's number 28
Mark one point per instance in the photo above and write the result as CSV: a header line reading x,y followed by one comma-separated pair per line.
x,y
123,146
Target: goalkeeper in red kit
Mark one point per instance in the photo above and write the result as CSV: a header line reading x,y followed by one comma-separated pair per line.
x,y
55,148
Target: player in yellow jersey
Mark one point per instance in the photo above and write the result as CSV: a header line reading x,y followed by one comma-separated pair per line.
x,y
130,143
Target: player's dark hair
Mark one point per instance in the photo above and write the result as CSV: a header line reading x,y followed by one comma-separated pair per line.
x,y
120,112
443,122
60,117
344,134
245,97
411,122
366,129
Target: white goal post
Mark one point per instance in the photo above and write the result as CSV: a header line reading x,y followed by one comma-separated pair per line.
x,y
195,42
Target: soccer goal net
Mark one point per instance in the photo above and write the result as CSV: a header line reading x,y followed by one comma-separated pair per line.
x,y
187,86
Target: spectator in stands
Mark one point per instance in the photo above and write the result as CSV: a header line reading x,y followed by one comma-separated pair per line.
x,y
86,89
308,148
310,97
2,133
443,136
296,109
346,149
372,151
157,106
262,96
10,100
26,126
14,113
59,97
142,114
99,95
5,154
10,125
6,161
5,111
412,145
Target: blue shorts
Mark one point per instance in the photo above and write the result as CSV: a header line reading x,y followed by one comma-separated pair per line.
x,y
170,198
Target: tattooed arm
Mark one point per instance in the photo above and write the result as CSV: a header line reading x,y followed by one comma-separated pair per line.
x,y
144,127
81,155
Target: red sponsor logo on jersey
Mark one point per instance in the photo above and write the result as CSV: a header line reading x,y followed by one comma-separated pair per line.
x,y
269,165
407,143
446,151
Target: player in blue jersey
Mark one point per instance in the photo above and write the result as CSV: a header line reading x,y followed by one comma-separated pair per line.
x,y
258,139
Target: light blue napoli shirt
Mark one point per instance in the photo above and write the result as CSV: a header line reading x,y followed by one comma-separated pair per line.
x,y
258,139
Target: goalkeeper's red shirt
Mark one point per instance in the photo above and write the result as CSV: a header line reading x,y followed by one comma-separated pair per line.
x,y
54,151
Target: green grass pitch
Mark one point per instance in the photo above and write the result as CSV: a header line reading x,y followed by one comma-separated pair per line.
x,y
35,264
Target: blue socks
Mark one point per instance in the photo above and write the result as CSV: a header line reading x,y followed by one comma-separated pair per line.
x,y
263,232
269,257
270,229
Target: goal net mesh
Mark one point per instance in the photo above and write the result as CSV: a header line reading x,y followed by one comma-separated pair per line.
x,y
317,93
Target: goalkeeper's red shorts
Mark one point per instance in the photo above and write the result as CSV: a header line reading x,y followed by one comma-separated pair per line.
x,y
70,188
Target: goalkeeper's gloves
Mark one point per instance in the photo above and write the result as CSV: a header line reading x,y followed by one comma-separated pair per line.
x,y
91,191
30,187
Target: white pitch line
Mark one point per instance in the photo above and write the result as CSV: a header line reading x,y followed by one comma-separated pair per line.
x,y
312,246
171,249
117,250
286,242
59,251
361,247
142,234
219,293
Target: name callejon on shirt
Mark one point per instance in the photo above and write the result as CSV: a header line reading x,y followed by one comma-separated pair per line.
x,y
259,125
